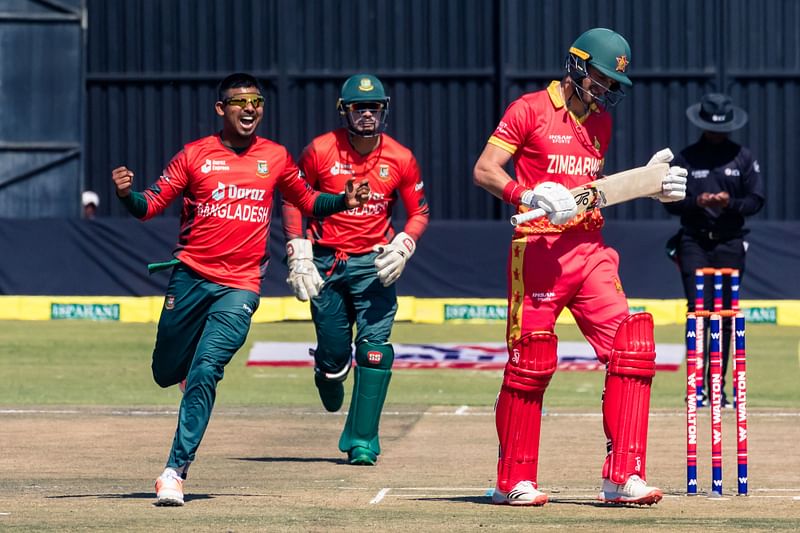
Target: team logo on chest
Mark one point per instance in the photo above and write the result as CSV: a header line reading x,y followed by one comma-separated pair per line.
x,y
262,168
383,172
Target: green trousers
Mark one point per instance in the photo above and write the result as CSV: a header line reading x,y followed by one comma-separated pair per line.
x,y
352,294
202,325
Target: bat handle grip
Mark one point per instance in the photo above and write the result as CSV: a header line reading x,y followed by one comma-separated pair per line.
x,y
520,218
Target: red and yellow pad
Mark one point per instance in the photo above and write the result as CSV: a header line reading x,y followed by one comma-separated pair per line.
x,y
626,399
532,362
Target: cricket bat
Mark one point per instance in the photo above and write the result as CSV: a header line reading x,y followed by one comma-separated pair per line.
x,y
639,182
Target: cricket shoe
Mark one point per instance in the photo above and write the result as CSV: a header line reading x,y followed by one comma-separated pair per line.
x,y
361,456
523,493
169,489
635,491
330,392
725,403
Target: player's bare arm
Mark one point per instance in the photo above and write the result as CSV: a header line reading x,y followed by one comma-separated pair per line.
x,y
553,198
123,181
489,172
356,194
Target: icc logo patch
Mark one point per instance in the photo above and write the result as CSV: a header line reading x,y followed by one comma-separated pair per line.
x,y
383,172
262,168
169,302
374,357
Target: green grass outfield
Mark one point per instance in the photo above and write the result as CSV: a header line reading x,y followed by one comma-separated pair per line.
x,y
107,363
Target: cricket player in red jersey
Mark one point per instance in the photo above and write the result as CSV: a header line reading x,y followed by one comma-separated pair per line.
x,y
348,264
558,139
226,181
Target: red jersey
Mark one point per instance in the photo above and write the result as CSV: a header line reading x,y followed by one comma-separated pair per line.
x,y
549,143
227,204
329,161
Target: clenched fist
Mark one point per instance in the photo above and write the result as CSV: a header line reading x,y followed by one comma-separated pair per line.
x,y
123,180
356,194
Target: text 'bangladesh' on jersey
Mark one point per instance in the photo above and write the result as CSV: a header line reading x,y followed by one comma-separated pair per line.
x,y
330,160
227,206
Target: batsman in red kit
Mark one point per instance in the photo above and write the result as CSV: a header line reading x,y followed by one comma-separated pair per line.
x,y
347,264
558,138
226,182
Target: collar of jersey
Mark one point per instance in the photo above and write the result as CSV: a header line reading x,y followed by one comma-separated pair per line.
x,y
558,102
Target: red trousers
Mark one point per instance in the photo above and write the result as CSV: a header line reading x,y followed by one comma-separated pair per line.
x,y
576,270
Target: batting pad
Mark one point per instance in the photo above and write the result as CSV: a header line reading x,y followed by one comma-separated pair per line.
x,y
626,399
532,362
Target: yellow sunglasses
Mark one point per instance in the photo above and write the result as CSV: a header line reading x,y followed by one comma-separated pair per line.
x,y
242,101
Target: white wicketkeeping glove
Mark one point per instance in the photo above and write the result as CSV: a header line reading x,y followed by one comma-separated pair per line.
x,y
304,279
673,187
392,257
554,199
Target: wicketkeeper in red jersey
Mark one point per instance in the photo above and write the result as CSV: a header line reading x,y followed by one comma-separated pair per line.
x,y
348,263
557,139
226,181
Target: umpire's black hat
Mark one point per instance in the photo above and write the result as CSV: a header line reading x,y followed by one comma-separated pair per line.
x,y
716,112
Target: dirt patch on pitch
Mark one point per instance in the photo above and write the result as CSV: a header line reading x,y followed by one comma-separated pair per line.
x,y
280,469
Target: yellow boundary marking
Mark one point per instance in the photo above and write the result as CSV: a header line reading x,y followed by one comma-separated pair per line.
x,y
411,309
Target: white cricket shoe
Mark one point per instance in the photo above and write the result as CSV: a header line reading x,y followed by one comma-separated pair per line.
x,y
169,489
635,491
523,493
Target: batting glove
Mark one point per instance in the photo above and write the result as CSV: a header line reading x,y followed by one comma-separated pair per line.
x,y
304,278
392,257
554,199
673,186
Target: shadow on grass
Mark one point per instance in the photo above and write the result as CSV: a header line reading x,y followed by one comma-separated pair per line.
x,y
487,500
336,460
140,496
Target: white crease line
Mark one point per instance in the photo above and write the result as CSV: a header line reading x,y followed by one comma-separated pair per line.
x,y
39,411
378,497
564,496
446,489
464,410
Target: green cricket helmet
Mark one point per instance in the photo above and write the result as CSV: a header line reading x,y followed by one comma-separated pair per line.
x,y
364,105
608,52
